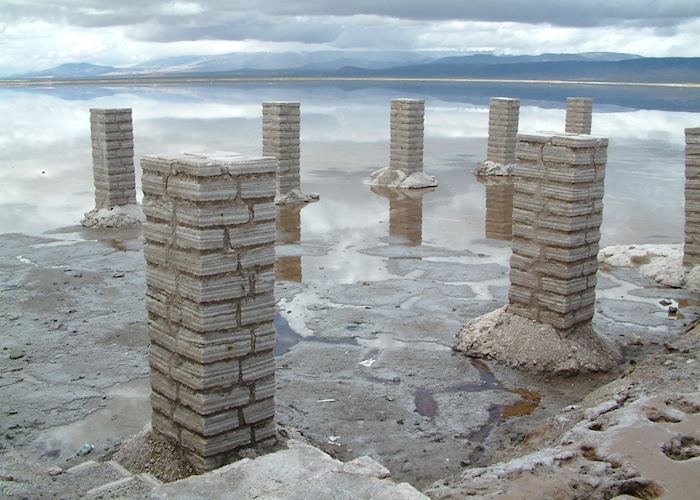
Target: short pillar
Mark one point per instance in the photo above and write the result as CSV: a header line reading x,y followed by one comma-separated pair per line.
x,y
498,217
209,247
407,135
113,157
557,213
691,249
579,115
504,114
281,127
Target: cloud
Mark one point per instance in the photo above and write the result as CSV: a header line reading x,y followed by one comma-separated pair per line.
x,y
36,34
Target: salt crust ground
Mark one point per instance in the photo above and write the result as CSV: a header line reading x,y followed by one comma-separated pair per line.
x,y
393,178
488,167
523,343
637,437
295,196
118,217
662,263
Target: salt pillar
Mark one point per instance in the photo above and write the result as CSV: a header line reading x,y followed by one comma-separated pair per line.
x,y
281,127
557,213
209,247
407,135
504,114
499,207
288,267
579,114
691,249
113,157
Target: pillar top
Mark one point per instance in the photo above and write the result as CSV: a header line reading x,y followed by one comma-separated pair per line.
x,y
110,110
579,99
692,131
506,99
290,104
406,100
569,140
211,164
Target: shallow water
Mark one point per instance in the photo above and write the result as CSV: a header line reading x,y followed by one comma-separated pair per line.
x,y
46,177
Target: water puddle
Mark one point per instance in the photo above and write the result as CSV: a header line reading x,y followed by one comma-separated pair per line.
x,y
426,405
287,338
126,412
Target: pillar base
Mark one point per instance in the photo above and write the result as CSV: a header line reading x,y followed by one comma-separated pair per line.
x,y
295,196
118,217
395,178
488,167
525,344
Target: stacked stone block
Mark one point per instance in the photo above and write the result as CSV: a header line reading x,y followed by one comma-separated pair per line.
x,y
281,126
691,249
579,115
557,212
504,114
113,157
499,207
210,236
407,135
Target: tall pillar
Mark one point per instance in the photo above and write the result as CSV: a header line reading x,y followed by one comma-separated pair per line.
x,y
691,249
113,157
281,124
407,135
579,115
557,213
504,114
498,217
288,267
210,236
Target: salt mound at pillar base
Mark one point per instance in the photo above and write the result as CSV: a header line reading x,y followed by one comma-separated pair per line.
x,y
395,178
488,167
522,343
295,196
116,217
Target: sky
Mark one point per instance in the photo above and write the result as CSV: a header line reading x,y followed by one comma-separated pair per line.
x,y
40,34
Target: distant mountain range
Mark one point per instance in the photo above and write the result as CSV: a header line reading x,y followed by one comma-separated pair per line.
x,y
590,66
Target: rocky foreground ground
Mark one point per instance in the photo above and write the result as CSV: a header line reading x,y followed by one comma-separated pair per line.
x,y
365,369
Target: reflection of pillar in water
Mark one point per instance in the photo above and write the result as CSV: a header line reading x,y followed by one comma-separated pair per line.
x,y
288,268
405,213
499,207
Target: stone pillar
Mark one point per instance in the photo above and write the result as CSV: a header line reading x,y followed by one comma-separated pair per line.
x,y
504,114
113,157
498,223
288,267
557,212
407,135
579,114
691,249
281,127
209,247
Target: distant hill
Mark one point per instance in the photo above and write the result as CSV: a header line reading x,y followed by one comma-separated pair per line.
x,y
590,66
72,70
667,69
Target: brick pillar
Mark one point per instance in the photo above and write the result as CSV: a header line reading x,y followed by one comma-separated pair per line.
x,y
499,207
288,267
557,212
579,114
691,249
407,135
504,113
113,157
281,126
210,236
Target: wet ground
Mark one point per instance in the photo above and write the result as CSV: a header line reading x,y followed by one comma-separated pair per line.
x,y
373,285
